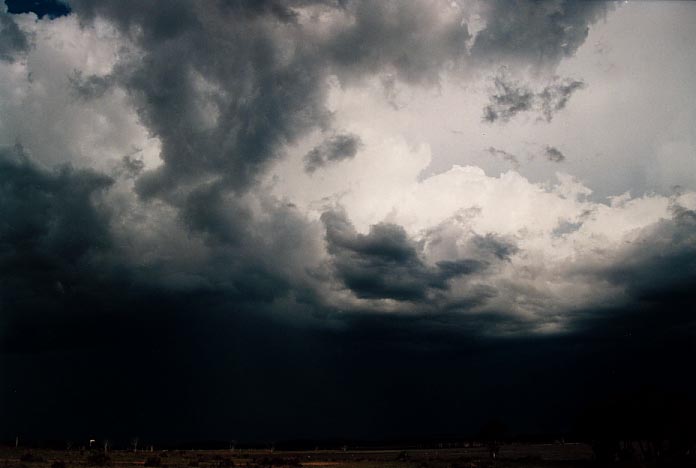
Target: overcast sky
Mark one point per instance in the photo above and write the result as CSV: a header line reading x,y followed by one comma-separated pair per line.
x,y
280,219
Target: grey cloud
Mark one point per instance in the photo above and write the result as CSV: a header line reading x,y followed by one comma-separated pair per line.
x,y
214,117
130,166
549,153
537,34
92,86
659,266
191,70
65,231
508,100
225,86
334,149
504,155
406,38
554,97
192,55
207,209
553,154
13,41
385,263
500,248
656,271
511,97
225,92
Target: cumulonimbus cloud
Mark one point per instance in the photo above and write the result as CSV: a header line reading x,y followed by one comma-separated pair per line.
x,y
227,89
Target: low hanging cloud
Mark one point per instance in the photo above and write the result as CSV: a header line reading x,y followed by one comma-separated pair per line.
x,y
511,98
334,149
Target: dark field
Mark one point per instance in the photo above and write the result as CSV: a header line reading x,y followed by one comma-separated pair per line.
x,y
512,455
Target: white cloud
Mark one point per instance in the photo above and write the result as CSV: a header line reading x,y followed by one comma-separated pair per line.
x,y
563,236
40,109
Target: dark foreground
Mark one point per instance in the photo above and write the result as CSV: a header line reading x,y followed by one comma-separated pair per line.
x,y
513,455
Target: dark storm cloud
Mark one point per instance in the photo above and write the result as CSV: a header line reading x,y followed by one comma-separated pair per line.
x,y
334,149
208,210
659,266
215,117
553,154
510,98
409,39
537,34
225,86
385,263
57,244
52,229
13,41
121,308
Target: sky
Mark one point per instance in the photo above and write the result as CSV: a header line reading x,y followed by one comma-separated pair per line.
x,y
266,220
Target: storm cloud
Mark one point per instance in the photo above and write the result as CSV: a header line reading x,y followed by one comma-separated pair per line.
x,y
537,34
203,202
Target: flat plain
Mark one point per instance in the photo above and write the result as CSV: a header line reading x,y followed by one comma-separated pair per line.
x,y
510,455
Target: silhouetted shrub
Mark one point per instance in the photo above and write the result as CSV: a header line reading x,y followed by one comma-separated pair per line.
x,y
193,463
58,464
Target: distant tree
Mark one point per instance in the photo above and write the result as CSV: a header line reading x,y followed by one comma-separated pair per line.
x,y
134,444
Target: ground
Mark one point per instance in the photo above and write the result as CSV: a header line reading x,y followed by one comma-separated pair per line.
x,y
511,455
